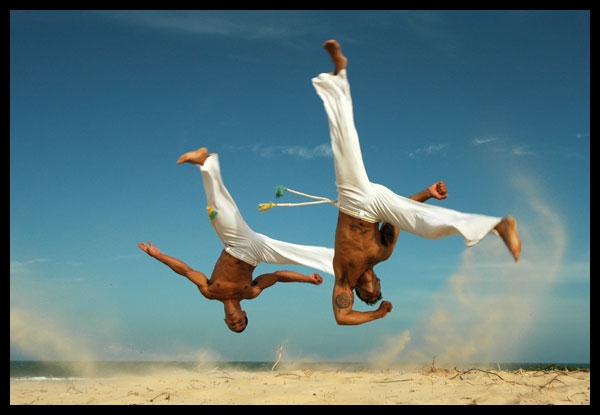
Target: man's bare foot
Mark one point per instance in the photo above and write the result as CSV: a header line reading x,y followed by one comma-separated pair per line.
x,y
195,157
335,51
508,231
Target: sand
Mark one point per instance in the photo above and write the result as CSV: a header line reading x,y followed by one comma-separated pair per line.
x,y
431,386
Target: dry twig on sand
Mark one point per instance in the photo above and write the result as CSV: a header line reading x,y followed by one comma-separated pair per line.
x,y
160,394
278,357
478,370
74,388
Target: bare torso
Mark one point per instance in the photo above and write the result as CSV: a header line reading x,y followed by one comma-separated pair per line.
x,y
231,279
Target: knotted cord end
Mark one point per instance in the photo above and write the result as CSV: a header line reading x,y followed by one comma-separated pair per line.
x,y
279,191
265,206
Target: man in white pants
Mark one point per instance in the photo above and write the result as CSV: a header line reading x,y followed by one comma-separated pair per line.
x,y
243,249
359,241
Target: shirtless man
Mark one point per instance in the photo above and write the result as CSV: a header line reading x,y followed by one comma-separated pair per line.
x,y
360,243
243,249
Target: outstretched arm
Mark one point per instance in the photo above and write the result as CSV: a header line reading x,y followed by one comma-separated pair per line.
x,y
389,233
437,190
343,300
266,280
176,265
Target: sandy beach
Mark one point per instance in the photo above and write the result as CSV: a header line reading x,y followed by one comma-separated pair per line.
x,y
430,386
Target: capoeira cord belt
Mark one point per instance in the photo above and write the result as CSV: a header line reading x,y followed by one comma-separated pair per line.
x,y
279,192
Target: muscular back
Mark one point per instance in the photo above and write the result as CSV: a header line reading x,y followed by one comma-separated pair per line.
x,y
360,245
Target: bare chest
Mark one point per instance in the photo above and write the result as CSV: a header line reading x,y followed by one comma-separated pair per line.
x,y
359,244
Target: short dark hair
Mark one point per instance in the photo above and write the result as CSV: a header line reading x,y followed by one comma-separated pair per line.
x,y
368,302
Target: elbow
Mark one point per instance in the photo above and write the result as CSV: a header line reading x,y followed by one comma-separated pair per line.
x,y
341,322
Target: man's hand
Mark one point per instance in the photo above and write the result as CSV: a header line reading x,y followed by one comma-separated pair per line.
x,y
315,279
438,190
384,308
149,249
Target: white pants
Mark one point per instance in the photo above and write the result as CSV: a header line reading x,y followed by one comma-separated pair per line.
x,y
372,202
242,242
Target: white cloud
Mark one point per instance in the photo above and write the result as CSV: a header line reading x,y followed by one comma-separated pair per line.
x,y
322,150
432,148
522,151
479,141
250,24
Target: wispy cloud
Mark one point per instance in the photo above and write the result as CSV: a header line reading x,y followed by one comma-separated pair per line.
x,y
20,268
522,151
430,149
480,141
250,24
322,150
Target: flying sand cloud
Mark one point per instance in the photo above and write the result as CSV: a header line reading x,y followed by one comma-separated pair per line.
x,y
486,308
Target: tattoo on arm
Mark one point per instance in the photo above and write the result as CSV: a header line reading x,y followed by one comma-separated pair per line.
x,y
343,300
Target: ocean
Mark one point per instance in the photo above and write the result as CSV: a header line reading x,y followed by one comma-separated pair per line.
x,y
61,370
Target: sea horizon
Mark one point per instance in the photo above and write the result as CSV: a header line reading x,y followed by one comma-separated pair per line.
x,y
64,369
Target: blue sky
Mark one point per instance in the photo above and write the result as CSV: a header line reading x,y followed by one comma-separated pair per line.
x,y
102,104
